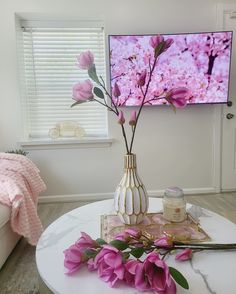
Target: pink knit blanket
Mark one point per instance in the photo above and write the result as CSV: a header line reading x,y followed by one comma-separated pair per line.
x,y
20,186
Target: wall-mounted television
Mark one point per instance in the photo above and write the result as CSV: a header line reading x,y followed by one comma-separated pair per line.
x,y
197,61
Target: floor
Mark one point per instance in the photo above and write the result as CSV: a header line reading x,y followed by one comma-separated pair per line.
x,y
19,273
223,204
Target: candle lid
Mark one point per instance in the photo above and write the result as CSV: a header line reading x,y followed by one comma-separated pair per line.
x,y
174,192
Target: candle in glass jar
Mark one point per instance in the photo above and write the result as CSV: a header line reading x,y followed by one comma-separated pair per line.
x,y
174,205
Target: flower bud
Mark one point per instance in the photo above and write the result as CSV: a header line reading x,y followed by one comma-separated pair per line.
x,y
85,60
186,254
178,97
133,118
163,242
156,40
142,78
121,118
168,43
116,90
133,232
85,242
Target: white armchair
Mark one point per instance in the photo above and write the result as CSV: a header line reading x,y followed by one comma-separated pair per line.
x,y
8,238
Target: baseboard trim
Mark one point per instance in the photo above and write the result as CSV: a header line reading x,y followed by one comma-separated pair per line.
x,y
103,196
228,190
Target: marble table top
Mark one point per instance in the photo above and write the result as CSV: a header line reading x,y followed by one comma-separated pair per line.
x,y
208,272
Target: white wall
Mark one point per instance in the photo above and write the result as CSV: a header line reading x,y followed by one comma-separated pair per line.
x,y
172,149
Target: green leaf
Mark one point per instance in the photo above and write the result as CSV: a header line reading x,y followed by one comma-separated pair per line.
x,y
179,278
120,245
93,74
100,241
98,92
90,253
137,252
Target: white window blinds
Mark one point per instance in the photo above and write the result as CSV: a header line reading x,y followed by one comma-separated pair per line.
x,y
49,70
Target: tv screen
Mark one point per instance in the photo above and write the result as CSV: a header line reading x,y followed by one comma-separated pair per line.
x,y
197,61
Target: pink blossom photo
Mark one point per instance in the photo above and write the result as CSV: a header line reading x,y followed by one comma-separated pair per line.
x,y
199,62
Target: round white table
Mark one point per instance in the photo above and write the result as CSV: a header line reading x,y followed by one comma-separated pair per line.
x,y
208,271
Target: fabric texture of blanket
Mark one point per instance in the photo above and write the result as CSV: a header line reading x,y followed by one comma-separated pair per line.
x,y
20,186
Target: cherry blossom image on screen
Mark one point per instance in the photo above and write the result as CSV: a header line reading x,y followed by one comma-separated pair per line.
x,y
199,62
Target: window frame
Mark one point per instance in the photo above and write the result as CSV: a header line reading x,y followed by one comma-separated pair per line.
x,y
47,143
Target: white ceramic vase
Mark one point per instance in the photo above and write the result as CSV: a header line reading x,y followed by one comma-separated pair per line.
x,y
131,199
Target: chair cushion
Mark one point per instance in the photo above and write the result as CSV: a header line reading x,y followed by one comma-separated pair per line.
x,y
5,213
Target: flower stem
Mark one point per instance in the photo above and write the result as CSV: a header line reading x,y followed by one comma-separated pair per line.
x,y
116,111
165,254
104,104
143,101
206,246
199,247
154,99
124,135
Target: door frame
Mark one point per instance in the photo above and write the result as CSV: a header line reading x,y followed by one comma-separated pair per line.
x,y
221,11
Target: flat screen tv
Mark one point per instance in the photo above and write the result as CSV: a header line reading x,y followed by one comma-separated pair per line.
x,y
197,61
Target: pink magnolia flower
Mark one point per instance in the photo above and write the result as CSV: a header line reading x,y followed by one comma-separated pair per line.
x,y
164,242
116,90
110,265
82,91
186,254
133,232
121,118
154,275
126,234
85,242
131,266
73,259
179,103
178,97
141,282
156,40
91,265
85,60
142,78
122,236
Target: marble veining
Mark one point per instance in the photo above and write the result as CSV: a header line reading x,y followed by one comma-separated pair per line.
x,y
61,228
204,277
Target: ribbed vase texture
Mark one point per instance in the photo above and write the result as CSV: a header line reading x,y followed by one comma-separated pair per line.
x,y
131,199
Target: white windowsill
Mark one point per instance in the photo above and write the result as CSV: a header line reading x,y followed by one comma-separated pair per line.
x,y
65,143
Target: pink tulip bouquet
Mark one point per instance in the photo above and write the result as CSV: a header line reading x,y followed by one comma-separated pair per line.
x,y
86,91
134,259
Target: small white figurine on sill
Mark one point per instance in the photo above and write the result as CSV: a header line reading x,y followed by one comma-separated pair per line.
x,y
67,129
